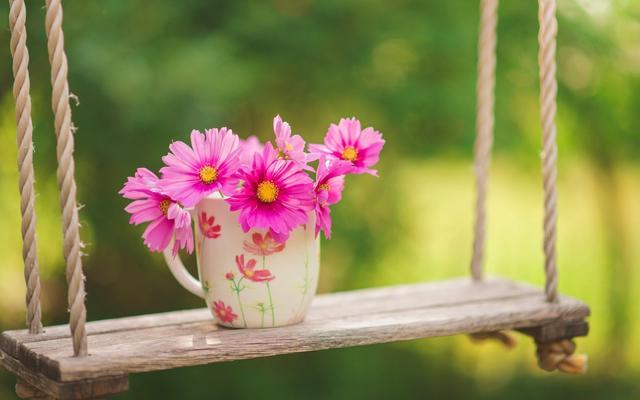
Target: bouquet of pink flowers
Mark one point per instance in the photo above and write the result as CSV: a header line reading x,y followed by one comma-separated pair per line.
x,y
269,185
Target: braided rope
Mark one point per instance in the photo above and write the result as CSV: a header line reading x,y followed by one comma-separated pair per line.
x,y
548,91
484,125
66,182
559,355
24,131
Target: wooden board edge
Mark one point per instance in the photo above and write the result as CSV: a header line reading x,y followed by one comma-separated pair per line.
x,y
8,344
75,390
557,330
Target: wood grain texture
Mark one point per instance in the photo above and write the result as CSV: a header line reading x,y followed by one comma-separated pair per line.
x,y
26,391
184,338
77,390
364,300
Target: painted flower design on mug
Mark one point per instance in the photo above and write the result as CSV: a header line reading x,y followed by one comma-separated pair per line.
x,y
249,271
223,312
208,227
263,245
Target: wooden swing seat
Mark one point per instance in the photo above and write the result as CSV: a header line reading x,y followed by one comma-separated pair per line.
x,y
162,341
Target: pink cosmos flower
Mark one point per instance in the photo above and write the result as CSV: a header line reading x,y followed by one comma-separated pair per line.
x,y
328,189
290,147
167,218
208,226
223,312
276,194
250,272
263,245
192,173
347,141
249,148
229,276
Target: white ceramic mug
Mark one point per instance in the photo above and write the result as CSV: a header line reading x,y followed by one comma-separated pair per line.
x,y
248,280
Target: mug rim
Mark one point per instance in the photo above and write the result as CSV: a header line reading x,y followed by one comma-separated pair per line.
x,y
213,196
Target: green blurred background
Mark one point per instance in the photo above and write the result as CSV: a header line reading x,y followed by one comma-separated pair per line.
x,y
147,72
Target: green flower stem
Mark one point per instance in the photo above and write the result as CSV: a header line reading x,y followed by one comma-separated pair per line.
x,y
273,314
236,288
273,311
262,311
305,285
244,320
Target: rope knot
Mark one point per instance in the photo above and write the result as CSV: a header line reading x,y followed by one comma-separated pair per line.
x,y
559,355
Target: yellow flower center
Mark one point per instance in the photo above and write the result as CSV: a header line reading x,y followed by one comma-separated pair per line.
x,y
324,186
350,154
164,206
248,273
267,191
208,174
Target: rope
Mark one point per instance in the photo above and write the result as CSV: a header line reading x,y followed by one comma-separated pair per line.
x,y
559,356
502,337
24,131
66,182
548,91
484,125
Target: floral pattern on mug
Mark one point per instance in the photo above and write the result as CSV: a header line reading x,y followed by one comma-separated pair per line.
x,y
263,245
223,312
250,272
207,225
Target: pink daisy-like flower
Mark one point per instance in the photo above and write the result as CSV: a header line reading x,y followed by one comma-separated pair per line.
x,y
347,141
249,271
167,218
224,312
276,194
328,189
290,147
263,245
249,148
192,173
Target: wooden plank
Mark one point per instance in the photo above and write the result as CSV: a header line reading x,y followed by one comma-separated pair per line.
x,y
337,320
364,300
76,390
26,391
325,306
197,344
557,330
434,290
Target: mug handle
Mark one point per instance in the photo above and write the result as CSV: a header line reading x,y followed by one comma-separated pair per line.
x,y
181,274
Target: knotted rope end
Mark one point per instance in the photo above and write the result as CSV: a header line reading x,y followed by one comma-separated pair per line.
x,y
560,356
